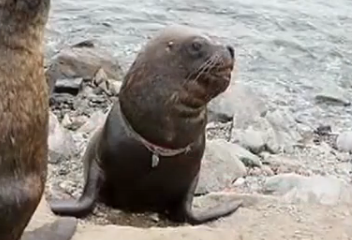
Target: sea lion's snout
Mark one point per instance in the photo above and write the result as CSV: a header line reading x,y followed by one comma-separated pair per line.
x,y
226,64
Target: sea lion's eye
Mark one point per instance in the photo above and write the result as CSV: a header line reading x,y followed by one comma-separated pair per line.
x,y
196,46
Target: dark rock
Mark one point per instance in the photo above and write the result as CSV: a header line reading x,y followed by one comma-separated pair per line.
x,y
85,43
323,130
71,86
333,94
82,61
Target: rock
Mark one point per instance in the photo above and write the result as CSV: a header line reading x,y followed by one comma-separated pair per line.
x,y
283,164
237,100
97,119
104,84
215,130
255,172
71,86
100,77
333,94
254,126
284,133
267,171
86,43
115,86
343,156
82,61
248,158
323,130
251,139
344,142
276,131
239,182
327,190
60,141
66,121
220,167
73,123
41,216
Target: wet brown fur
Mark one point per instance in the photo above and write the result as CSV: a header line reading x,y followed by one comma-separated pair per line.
x,y
23,113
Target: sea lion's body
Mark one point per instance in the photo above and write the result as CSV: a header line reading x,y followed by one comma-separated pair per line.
x,y
24,121
144,187
148,154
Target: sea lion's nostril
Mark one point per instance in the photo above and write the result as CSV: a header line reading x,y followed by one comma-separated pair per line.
x,y
231,50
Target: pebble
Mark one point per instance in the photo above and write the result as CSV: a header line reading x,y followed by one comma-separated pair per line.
x,y
344,142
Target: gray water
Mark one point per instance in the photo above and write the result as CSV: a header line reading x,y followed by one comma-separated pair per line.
x,y
287,51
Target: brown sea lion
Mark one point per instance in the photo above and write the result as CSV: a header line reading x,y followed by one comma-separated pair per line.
x,y
147,156
24,121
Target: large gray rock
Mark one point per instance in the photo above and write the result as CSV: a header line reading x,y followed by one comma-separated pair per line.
x,y
276,131
82,60
250,138
284,132
254,126
236,100
248,158
314,189
220,166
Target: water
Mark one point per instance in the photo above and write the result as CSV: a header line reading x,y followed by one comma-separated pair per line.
x,y
286,50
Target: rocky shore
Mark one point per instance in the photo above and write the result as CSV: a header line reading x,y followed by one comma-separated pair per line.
x,y
281,167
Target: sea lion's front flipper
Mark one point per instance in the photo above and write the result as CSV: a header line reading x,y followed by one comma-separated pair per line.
x,y
62,229
186,213
84,205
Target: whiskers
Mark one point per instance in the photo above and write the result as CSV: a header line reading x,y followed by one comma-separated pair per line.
x,y
205,68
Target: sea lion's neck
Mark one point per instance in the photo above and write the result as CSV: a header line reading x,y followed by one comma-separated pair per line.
x,y
165,120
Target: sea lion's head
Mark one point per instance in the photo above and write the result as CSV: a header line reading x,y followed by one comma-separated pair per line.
x,y
166,90
24,13
182,62
203,65
22,22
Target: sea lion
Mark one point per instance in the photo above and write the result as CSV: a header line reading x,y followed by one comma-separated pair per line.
x,y
24,121
147,156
